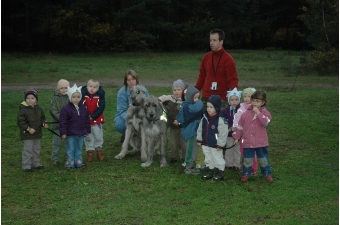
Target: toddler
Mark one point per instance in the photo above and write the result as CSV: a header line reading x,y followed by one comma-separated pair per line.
x,y
252,128
172,103
30,120
94,100
74,124
233,154
59,100
211,135
188,120
243,107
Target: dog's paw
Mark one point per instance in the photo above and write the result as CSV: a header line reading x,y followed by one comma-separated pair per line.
x,y
146,164
163,163
143,157
120,156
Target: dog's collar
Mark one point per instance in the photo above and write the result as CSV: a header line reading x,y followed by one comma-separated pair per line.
x,y
134,104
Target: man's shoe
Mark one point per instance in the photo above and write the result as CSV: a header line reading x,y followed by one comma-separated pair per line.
x,y
219,175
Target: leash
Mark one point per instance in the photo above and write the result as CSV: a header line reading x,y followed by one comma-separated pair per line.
x,y
51,129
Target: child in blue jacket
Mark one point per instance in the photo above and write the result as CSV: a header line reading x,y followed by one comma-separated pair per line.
x,y
188,119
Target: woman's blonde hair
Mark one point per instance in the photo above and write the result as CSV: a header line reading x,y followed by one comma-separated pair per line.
x,y
134,76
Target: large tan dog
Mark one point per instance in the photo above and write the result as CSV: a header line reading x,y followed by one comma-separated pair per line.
x,y
154,132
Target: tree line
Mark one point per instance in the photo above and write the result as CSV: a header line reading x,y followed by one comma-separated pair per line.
x,y
165,25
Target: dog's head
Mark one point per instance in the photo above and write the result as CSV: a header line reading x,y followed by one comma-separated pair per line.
x,y
152,107
137,95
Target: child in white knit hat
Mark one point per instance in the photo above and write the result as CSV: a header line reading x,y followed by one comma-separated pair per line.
x,y
246,93
232,154
74,124
172,104
59,100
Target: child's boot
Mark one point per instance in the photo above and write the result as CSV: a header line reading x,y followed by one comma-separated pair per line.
x,y
219,175
89,155
100,155
209,174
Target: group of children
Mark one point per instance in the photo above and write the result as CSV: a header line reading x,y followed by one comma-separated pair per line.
x,y
77,114
213,130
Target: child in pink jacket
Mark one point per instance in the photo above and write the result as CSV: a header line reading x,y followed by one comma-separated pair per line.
x,y
252,128
243,107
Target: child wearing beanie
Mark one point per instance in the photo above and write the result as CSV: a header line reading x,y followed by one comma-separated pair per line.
x,y
30,120
243,107
232,154
188,120
211,135
74,124
172,104
59,100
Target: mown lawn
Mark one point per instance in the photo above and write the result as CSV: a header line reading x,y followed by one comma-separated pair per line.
x,y
303,151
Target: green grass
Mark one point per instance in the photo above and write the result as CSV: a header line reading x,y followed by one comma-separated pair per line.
x,y
303,152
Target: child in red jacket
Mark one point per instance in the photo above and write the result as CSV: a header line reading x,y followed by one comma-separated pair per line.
x,y
252,128
94,100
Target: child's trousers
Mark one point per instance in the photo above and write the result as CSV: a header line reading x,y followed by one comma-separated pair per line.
x,y
255,164
191,152
31,154
74,151
262,156
94,141
56,146
232,155
177,143
213,158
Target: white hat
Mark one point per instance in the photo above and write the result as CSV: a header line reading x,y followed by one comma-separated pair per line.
x,y
72,90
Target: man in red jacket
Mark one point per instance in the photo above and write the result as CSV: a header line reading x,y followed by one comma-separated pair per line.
x,y
217,71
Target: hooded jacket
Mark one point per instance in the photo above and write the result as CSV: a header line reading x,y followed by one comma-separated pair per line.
x,y
73,121
57,103
213,131
95,104
190,114
252,128
30,117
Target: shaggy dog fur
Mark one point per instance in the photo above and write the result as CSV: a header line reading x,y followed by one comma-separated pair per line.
x,y
134,117
154,132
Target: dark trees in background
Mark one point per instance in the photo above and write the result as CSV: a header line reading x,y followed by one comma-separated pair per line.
x,y
165,25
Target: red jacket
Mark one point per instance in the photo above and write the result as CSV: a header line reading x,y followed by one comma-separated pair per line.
x,y
223,72
95,105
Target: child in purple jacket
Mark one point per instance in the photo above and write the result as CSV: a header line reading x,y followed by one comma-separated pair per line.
x,y
252,128
74,124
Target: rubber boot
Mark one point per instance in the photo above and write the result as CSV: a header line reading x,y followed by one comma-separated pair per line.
x,y
219,175
100,155
89,155
209,174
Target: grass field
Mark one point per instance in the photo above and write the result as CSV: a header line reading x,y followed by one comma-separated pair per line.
x,y
303,151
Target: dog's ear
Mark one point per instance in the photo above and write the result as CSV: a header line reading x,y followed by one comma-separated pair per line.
x,y
159,109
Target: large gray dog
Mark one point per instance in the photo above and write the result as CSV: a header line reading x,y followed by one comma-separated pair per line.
x,y
134,117
154,132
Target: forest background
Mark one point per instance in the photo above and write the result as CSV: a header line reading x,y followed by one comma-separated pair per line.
x,y
173,25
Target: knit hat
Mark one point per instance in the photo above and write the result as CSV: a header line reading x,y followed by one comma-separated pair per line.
x,y
62,83
191,92
72,90
178,83
31,91
234,92
248,91
215,100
